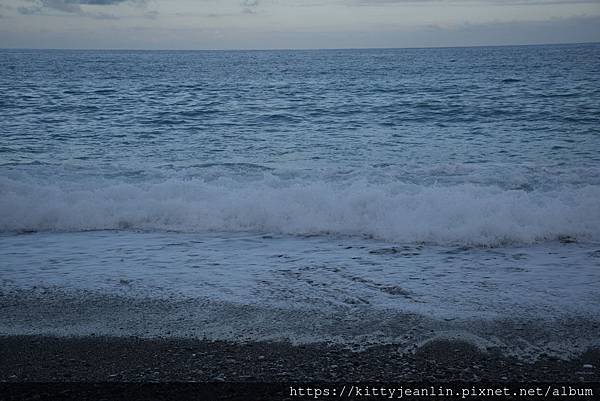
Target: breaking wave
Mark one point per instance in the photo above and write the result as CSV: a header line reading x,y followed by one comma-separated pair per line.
x,y
466,214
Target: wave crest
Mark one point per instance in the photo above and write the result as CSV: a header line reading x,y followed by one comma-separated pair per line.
x,y
461,214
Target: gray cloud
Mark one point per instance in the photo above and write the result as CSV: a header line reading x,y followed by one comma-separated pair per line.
x,y
559,30
29,10
249,6
97,2
69,6
151,14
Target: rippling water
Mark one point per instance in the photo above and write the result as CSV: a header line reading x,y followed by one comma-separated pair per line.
x,y
436,150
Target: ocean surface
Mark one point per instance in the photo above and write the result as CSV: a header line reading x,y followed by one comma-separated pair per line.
x,y
451,181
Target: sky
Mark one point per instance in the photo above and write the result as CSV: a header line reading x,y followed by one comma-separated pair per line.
x,y
293,24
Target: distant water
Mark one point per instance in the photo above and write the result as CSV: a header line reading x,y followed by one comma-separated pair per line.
x,y
352,177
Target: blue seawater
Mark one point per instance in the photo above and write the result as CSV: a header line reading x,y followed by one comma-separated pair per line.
x,y
315,158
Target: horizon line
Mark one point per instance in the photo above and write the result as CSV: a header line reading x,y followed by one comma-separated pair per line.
x,y
294,49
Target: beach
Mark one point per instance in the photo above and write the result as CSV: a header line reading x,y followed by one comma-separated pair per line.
x,y
131,359
50,336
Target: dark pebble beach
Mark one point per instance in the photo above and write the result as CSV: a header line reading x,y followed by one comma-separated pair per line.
x,y
113,359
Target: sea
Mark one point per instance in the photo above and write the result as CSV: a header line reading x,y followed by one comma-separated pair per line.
x,y
447,182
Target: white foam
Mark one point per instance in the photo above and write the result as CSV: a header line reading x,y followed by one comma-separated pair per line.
x,y
460,214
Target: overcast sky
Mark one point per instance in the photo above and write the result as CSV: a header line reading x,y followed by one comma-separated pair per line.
x,y
265,24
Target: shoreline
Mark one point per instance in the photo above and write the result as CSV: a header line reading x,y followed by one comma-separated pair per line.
x,y
58,335
66,313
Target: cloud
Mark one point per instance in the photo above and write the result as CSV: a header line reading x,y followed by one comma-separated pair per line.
x,y
249,6
151,14
71,6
